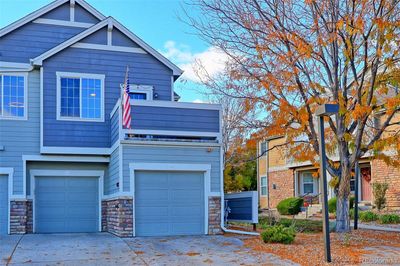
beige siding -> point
(276, 156)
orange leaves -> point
(361, 111)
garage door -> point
(66, 204)
(169, 203)
(3, 204)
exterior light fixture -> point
(321, 111)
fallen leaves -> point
(346, 249)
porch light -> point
(321, 111)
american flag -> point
(126, 111)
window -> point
(263, 148)
(308, 183)
(13, 96)
(263, 186)
(80, 97)
(141, 92)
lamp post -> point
(357, 176)
(324, 110)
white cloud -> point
(212, 60)
(198, 101)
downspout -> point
(223, 202)
(267, 170)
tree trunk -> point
(343, 204)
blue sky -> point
(156, 22)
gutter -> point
(223, 203)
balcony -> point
(168, 121)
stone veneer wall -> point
(21, 217)
(214, 216)
(117, 216)
(381, 172)
(284, 182)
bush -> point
(333, 201)
(379, 191)
(368, 216)
(389, 219)
(278, 234)
(299, 225)
(290, 206)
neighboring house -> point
(66, 162)
(279, 177)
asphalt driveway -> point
(106, 249)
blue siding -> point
(181, 119)
(60, 13)
(81, 15)
(21, 137)
(144, 69)
(99, 37)
(119, 39)
(114, 128)
(190, 155)
(110, 183)
(33, 39)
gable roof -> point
(36, 14)
(110, 22)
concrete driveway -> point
(106, 249)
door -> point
(66, 204)
(169, 203)
(3, 204)
(366, 187)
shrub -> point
(389, 219)
(368, 216)
(278, 234)
(290, 206)
(333, 201)
(379, 191)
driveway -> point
(106, 249)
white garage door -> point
(169, 203)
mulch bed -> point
(347, 249)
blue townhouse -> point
(66, 162)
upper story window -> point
(141, 92)
(13, 96)
(80, 97)
(263, 148)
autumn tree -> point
(287, 57)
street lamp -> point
(324, 110)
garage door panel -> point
(174, 208)
(73, 207)
(3, 204)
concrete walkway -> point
(375, 227)
(106, 249)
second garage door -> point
(66, 204)
(3, 204)
(169, 203)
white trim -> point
(170, 143)
(41, 108)
(53, 158)
(26, 96)
(202, 106)
(75, 150)
(5, 64)
(46, 9)
(116, 106)
(66, 23)
(107, 47)
(148, 90)
(109, 33)
(39, 59)
(57, 173)
(170, 133)
(10, 176)
(81, 76)
(172, 90)
(72, 10)
(314, 182)
(206, 168)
